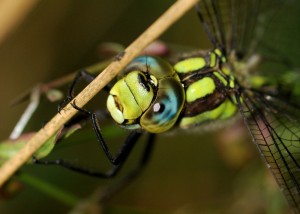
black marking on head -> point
(143, 82)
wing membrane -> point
(236, 24)
(275, 129)
(272, 117)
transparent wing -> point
(237, 24)
(267, 28)
(275, 128)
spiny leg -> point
(82, 74)
(122, 154)
(82, 119)
(88, 77)
(121, 157)
(117, 161)
(125, 149)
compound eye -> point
(155, 66)
(166, 108)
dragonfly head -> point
(148, 95)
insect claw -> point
(59, 109)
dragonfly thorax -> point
(208, 85)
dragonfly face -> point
(148, 96)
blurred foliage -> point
(217, 173)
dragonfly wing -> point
(232, 24)
(275, 129)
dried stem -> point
(153, 32)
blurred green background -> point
(189, 173)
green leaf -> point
(9, 148)
(46, 148)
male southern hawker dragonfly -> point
(202, 87)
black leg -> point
(121, 157)
(82, 74)
(115, 188)
(86, 76)
(82, 119)
(124, 151)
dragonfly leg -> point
(144, 159)
(81, 75)
(121, 157)
(127, 146)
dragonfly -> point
(153, 96)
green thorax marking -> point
(208, 85)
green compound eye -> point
(165, 110)
(152, 65)
(149, 95)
